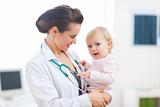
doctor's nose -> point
(74, 41)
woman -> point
(52, 73)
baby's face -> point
(98, 46)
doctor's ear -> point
(54, 29)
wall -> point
(138, 65)
(20, 39)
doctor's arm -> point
(46, 95)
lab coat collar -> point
(47, 52)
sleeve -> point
(44, 91)
(107, 75)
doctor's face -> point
(65, 39)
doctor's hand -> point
(97, 98)
(84, 74)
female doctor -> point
(52, 73)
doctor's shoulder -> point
(36, 63)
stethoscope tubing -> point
(65, 74)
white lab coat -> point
(49, 86)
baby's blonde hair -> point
(101, 30)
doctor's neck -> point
(53, 46)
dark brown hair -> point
(60, 16)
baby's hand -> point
(85, 64)
(84, 74)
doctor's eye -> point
(73, 36)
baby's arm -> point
(107, 74)
(85, 74)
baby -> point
(100, 73)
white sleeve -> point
(106, 77)
(102, 78)
(45, 93)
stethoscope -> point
(63, 67)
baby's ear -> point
(109, 44)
